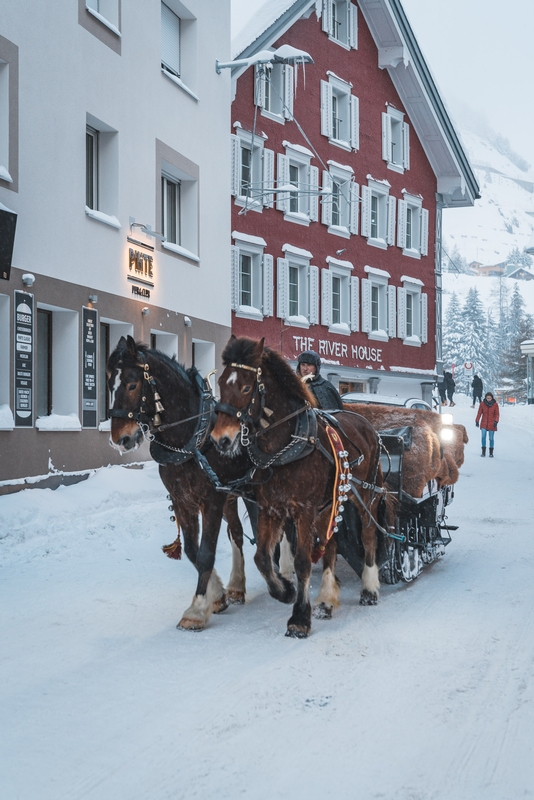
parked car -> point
(385, 400)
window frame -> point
(283, 91)
(9, 115)
(336, 89)
(417, 333)
(349, 297)
(377, 283)
(256, 198)
(381, 232)
(63, 365)
(298, 157)
(298, 260)
(346, 20)
(103, 22)
(171, 229)
(395, 140)
(412, 206)
(261, 277)
(179, 169)
(106, 164)
(341, 176)
(91, 168)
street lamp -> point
(286, 54)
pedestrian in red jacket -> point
(487, 418)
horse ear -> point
(259, 347)
(130, 345)
(121, 344)
(232, 338)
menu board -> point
(89, 368)
(24, 345)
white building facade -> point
(113, 125)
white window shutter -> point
(313, 287)
(259, 85)
(424, 318)
(326, 109)
(326, 217)
(354, 303)
(386, 136)
(424, 232)
(354, 122)
(268, 177)
(353, 26)
(366, 211)
(327, 15)
(282, 306)
(406, 145)
(313, 182)
(170, 39)
(288, 91)
(354, 207)
(234, 140)
(282, 169)
(392, 214)
(268, 278)
(392, 311)
(234, 251)
(366, 305)
(326, 297)
(401, 224)
(401, 313)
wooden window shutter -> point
(326, 297)
(268, 287)
(268, 177)
(401, 224)
(282, 168)
(326, 217)
(313, 287)
(282, 306)
(354, 303)
(288, 91)
(406, 145)
(326, 109)
(259, 85)
(354, 122)
(354, 207)
(235, 276)
(366, 211)
(353, 26)
(386, 136)
(392, 311)
(327, 16)
(314, 196)
(392, 214)
(234, 140)
(424, 318)
(401, 313)
(366, 305)
(424, 232)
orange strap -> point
(340, 490)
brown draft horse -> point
(145, 383)
(262, 401)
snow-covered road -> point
(427, 696)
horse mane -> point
(244, 351)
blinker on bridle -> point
(139, 414)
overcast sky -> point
(481, 53)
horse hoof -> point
(297, 632)
(220, 605)
(191, 624)
(322, 611)
(368, 598)
(235, 597)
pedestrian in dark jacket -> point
(450, 386)
(487, 419)
(477, 387)
(441, 390)
(309, 368)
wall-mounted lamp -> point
(28, 279)
(187, 322)
(93, 298)
(286, 54)
(147, 230)
(145, 311)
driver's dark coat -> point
(325, 393)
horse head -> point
(131, 404)
(240, 386)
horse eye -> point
(132, 386)
(246, 389)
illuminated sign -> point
(331, 349)
(89, 367)
(24, 344)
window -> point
(412, 312)
(252, 277)
(43, 406)
(57, 356)
(252, 171)
(107, 11)
(378, 214)
(103, 355)
(294, 168)
(102, 19)
(378, 305)
(298, 288)
(177, 202)
(178, 45)
(273, 90)
(340, 22)
(395, 140)
(351, 386)
(170, 40)
(101, 172)
(339, 297)
(340, 113)
(9, 134)
(340, 205)
(412, 226)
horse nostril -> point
(124, 441)
(224, 443)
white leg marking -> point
(329, 591)
(201, 609)
(232, 377)
(370, 580)
(287, 562)
(237, 577)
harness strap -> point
(339, 492)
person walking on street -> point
(450, 386)
(441, 390)
(309, 368)
(477, 390)
(487, 418)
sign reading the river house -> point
(24, 341)
(89, 395)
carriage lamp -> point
(447, 432)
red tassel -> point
(174, 550)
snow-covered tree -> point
(452, 333)
(517, 259)
(474, 345)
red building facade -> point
(336, 198)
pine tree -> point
(452, 333)
(474, 346)
(517, 259)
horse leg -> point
(268, 533)
(328, 597)
(210, 596)
(287, 550)
(299, 624)
(236, 586)
(370, 580)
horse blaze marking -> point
(115, 387)
(232, 378)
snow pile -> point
(6, 418)
(58, 422)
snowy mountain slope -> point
(504, 216)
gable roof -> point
(400, 55)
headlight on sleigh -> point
(447, 432)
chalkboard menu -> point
(24, 345)
(89, 368)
